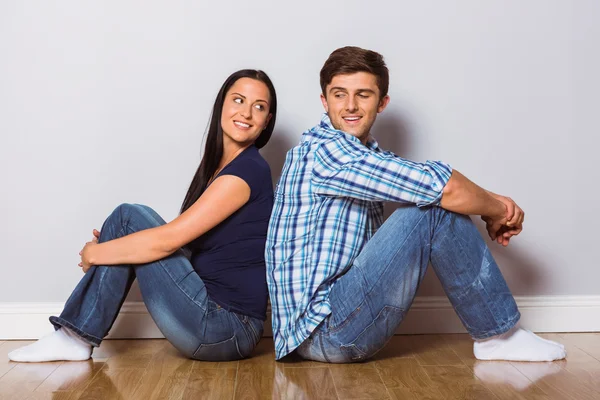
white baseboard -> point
(427, 315)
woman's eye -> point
(238, 100)
(259, 107)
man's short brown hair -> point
(351, 59)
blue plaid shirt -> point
(328, 204)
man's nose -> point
(351, 104)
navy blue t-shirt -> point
(230, 257)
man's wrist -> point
(498, 209)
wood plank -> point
(8, 346)
(107, 349)
(166, 376)
(588, 342)
(255, 375)
(355, 381)
(135, 353)
(458, 382)
(579, 362)
(303, 383)
(399, 346)
(71, 376)
(112, 383)
(432, 350)
(462, 345)
(556, 381)
(507, 382)
(216, 364)
(211, 383)
(57, 395)
(406, 379)
(145, 369)
(24, 378)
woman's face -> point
(245, 111)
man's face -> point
(353, 102)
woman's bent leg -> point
(177, 300)
(94, 305)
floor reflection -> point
(502, 372)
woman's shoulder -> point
(252, 158)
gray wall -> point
(106, 102)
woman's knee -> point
(145, 216)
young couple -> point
(340, 279)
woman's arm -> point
(224, 196)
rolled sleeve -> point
(348, 169)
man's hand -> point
(502, 229)
(84, 253)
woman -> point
(213, 305)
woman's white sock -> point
(518, 344)
(60, 345)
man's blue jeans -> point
(173, 292)
(371, 299)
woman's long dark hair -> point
(213, 150)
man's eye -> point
(363, 96)
(339, 95)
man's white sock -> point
(60, 345)
(518, 344)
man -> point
(340, 279)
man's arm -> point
(346, 169)
(462, 196)
(504, 218)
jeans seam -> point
(478, 278)
(320, 339)
(100, 286)
(178, 286)
(396, 253)
(357, 265)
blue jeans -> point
(371, 299)
(173, 292)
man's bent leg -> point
(470, 276)
(371, 299)
(467, 271)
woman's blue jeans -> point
(371, 299)
(173, 292)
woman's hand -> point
(85, 263)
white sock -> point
(518, 345)
(60, 345)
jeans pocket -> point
(352, 353)
(227, 350)
(375, 336)
(252, 333)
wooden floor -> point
(410, 367)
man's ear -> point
(383, 103)
(324, 101)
